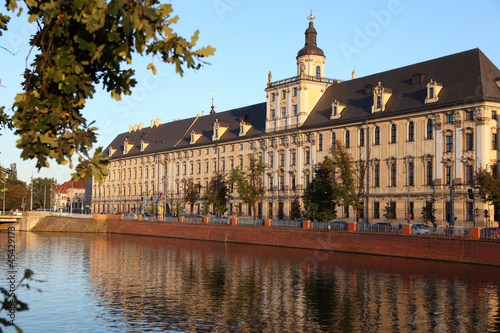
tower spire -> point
(311, 16)
(212, 111)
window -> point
(199, 167)
(362, 137)
(308, 157)
(393, 209)
(347, 139)
(223, 165)
(346, 211)
(410, 210)
(430, 129)
(320, 142)
(282, 183)
(273, 114)
(376, 210)
(295, 111)
(377, 135)
(241, 146)
(493, 115)
(334, 139)
(377, 175)
(318, 71)
(429, 173)
(447, 172)
(232, 147)
(283, 94)
(493, 141)
(431, 92)
(449, 143)
(469, 211)
(394, 133)
(411, 181)
(379, 102)
(271, 181)
(411, 131)
(282, 160)
(283, 112)
(449, 118)
(273, 97)
(295, 92)
(469, 141)
(468, 115)
(469, 175)
(393, 174)
(271, 161)
(293, 182)
(241, 163)
(206, 166)
(294, 158)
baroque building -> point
(422, 131)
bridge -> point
(10, 218)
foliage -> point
(178, 210)
(429, 211)
(249, 184)
(216, 193)
(295, 209)
(319, 195)
(489, 185)
(191, 192)
(78, 45)
(10, 300)
(42, 191)
(150, 207)
(389, 213)
(15, 195)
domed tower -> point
(310, 59)
(290, 101)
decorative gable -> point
(111, 151)
(219, 129)
(337, 109)
(244, 127)
(194, 137)
(127, 145)
(433, 89)
(144, 145)
(380, 97)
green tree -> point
(429, 211)
(295, 209)
(216, 193)
(489, 185)
(319, 195)
(78, 45)
(249, 184)
(42, 192)
(389, 212)
(191, 193)
(15, 195)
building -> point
(423, 130)
(69, 197)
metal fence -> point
(287, 223)
(257, 222)
(74, 215)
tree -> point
(78, 45)
(389, 212)
(42, 192)
(319, 195)
(249, 184)
(429, 211)
(295, 209)
(15, 195)
(191, 192)
(216, 193)
(489, 185)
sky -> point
(252, 38)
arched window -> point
(318, 71)
(393, 174)
(347, 139)
(429, 173)
(394, 133)
(320, 142)
(334, 139)
(362, 137)
(411, 177)
(377, 135)
(411, 131)
(379, 102)
(377, 175)
(430, 129)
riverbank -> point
(452, 249)
(65, 224)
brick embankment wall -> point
(407, 246)
(68, 224)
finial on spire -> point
(311, 16)
(212, 111)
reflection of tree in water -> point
(214, 279)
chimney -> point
(141, 126)
(130, 128)
(152, 123)
(158, 122)
(202, 113)
(136, 127)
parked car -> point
(419, 229)
(491, 232)
(382, 226)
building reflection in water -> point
(190, 285)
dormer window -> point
(380, 97)
(337, 109)
(433, 89)
(127, 145)
(219, 129)
(144, 145)
(244, 127)
(194, 137)
(111, 151)
(368, 89)
(417, 78)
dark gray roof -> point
(466, 77)
(177, 134)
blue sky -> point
(255, 37)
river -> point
(123, 283)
